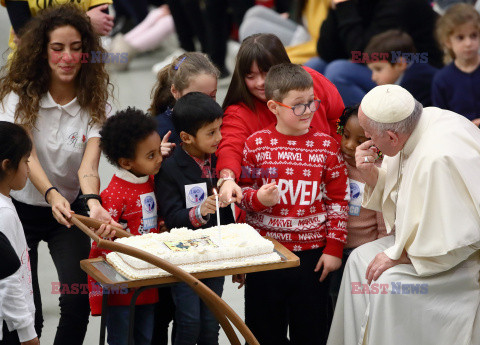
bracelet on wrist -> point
(221, 180)
(86, 197)
(48, 191)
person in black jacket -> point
(349, 27)
(184, 190)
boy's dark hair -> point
(388, 41)
(285, 77)
(122, 132)
(14, 145)
(347, 113)
(193, 111)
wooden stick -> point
(222, 311)
(93, 223)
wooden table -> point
(109, 278)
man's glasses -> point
(300, 109)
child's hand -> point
(329, 263)
(209, 206)
(268, 194)
(105, 231)
(239, 278)
(162, 227)
(166, 146)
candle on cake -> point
(218, 215)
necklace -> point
(400, 168)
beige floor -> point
(132, 88)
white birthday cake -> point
(215, 248)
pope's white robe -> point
(437, 221)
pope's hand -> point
(381, 263)
(365, 157)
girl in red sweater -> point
(246, 110)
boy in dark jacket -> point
(184, 188)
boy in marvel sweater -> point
(295, 190)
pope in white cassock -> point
(419, 286)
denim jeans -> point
(67, 248)
(353, 80)
(117, 324)
(195, 323)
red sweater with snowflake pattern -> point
(239, 121)
(311, 178)
(130, 200)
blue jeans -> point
(353, 80)
(195, 323)
(117, 324)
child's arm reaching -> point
(255, 199)
(268, 194)
(172, 206)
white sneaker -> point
(168, 60)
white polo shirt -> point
(60, 138)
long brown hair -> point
(455, 16)
(29, 76)
(266, 50)
(179, 73)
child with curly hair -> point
(363, 225)
(131, 143)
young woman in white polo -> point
(53, 90)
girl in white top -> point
(56, 87)
(16, 293)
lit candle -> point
(218, 214)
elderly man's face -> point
(383, 141)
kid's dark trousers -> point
(290, 299)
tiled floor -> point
(132, 88)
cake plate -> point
(110, 279)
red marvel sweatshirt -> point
(239, 122)
(311, 178)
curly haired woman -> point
(52, 87)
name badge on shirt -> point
(195, 194)
(356, 196)
(149, 211)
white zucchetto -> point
(388, 104)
